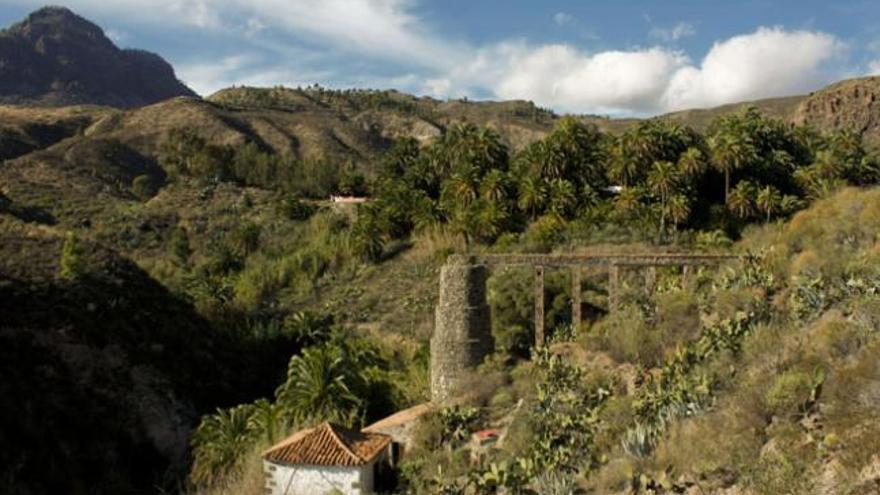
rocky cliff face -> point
(848, 105)
(57, 58)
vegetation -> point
(323, 312)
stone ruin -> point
(463, 332)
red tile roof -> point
(328, 445)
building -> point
(325, 459)
(348, 200)
(400, 426)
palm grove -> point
(657, 177)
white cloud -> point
(562, 18)
(378, 28)
(675, 33)
(874, 68)
(769, 62)
(560, 76)
(766, 63)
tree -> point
(490, 220)
(628, 201)
(219, 443)
(663, 180)
(678, 208)
(532, 196)
(731, 151)
(741, 200)
(72, 264)
(493, 187)
(692, 163)
(267, 420)
(319, 386)
(561, 197)
(768, 201)
(366, 236)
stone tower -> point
(462, 332)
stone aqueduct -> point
(462, 333)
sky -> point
(609, 57)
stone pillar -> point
(539, 306)
(687, 277)
(462, 332)
(576, 316)
(650, 279)
(613, 287)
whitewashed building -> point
(325, 459)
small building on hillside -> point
(325, 459)
(348, 200)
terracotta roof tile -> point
(328, 445)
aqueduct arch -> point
(462, 331)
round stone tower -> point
(462, 332)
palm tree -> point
(790, 204)
(494, 186)
(562, 196)
(663, 180)
(741, 200)
(490, 220)
(463, 187)
(730, 152)
(768, 201)
(367, 237)
(319, 386)
(692, 162)
(219, 442)
(267, 419)
(679, 209)
(532, 195)
(629, 200)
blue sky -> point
(622, 57)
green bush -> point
(792, 393)
(72, 263)
(143, 187)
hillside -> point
(106, 371)
(57, 58)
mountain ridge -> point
(57, 58)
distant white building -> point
(326, 459)
(349, 200)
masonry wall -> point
(318, 480)
(462, 331)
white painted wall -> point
(318, 480)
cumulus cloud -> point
(675, 33)
(766, 63)
(560, 76)
(874, 68)
(769, 62)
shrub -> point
(296, 209)
(72, 264)
(793, 392)
(143, 187)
